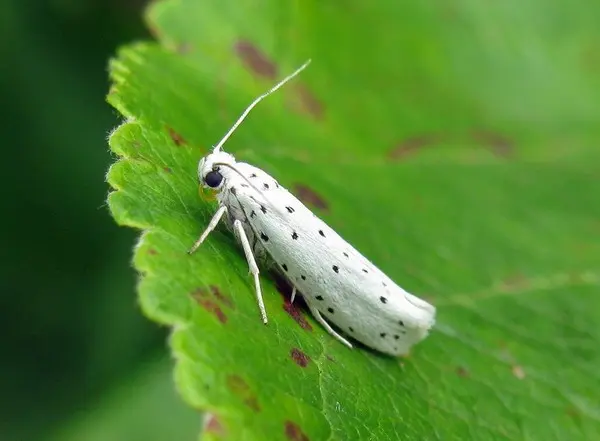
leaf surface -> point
(453, 145)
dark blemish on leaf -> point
(263, 209)
(253, 213)
(213, 425)
(411, 145)
(289, 209)
(330, 310)
(336, 268)
(299, 357)
(518, 372)
(462, 372)
(382, 335)
(382, 299)
(284, 266)
(296, 314)
(168, 169)
(238, 386)
(293, 432)
(295, 235)
(515, 281)
(220, 296)
(309, 102)
(310, 197)
(152, 251)
(264, 237)
(255, 60)
(176, 137)
(202, 297)
(319, 297)
(285, 289)
(321, 233)
(497, 143)
(184, 48)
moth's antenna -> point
(255, 102)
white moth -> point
(340, 286)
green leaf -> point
(453, 144)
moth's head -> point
(212, 173)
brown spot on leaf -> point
(252, 403)
(297, 315)
(310, 197)
(309, 102)
(238, 386)
(515, 281)
(518, 372)
(285, 289)
(213, 425)
(293, 432)
(176, 137)
(499, 144)
(220, 296)
(168, 169)
(152, 251)
(299, 357)
(184, 48)
(255, 60)
(330, 358)
(411, 145)
(204, 299)
(462, 371)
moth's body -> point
(334, 278)
(339, 285)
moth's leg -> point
(211, 226)
(293, 294)
(239, 228)
(315, 312)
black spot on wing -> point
(303, 277)
(263, 209)
(295, 235)
(336, 269)
(383, 299)
(330, 310)
(321, 233)
(253, 213)
(265, 186)
(382, 335)
(290, 209)
(284, 266)
(319, 297)
(264, 237)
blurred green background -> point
(79, 361)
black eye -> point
(213, 178)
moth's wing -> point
(346, 287)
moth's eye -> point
(213, 178)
